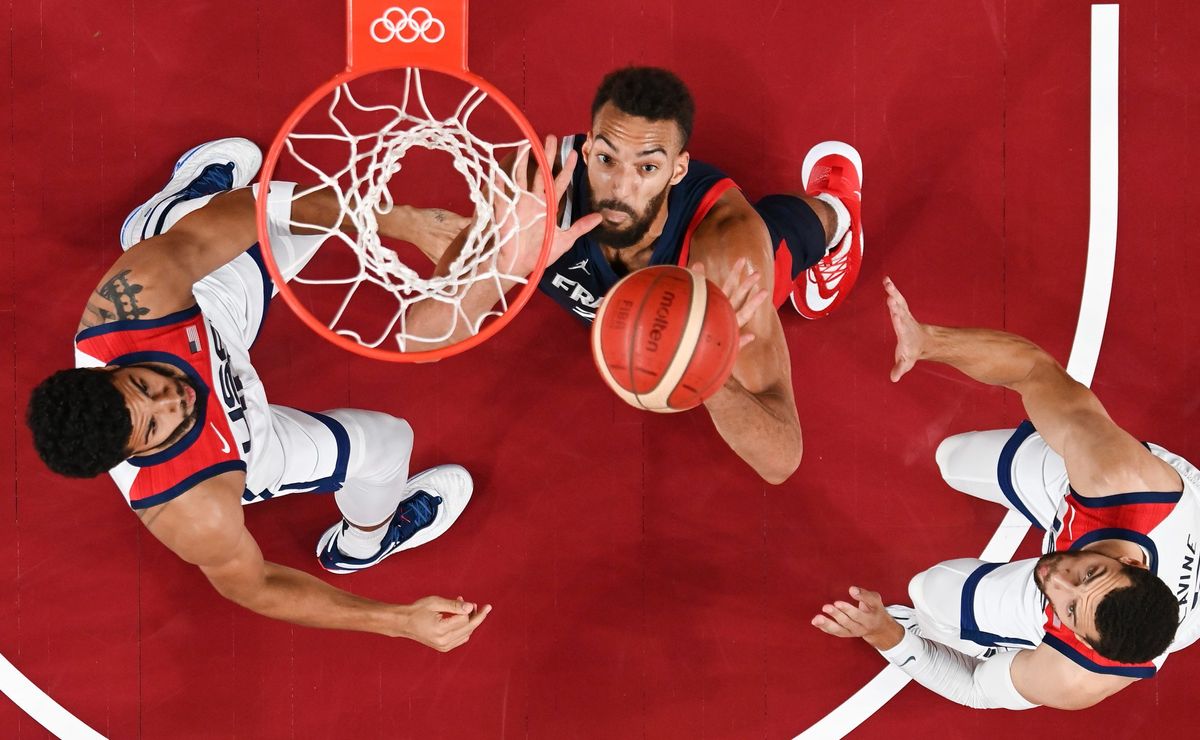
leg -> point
(363, 457)
(799, 228)
(383, 510)
(823, 275)
(1011, 467)
(377, 468)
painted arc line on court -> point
(1085, 348)
(37, 704)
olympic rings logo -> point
(397, 24)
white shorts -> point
(1011, 467)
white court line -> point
(41, 707)
(1089, 333)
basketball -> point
(665, 339)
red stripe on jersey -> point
(209, 448)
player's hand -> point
(443, 624)
(910, 334)
(866, 619)
(432, 230)
(519, 255)
(742, 288)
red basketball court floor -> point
(645, 583)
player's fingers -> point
(870, 599)
(746, 282)
(520, 173)
(831, 626)
(463, 626)
(839, 614)
(447, 606)
(733, 277)
(478, 617)
(568, 236)
(751, 304)
(744, 339)
(563, 179)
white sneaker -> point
(439, 496)
(210, 168)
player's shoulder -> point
(141, 285)
(201, 521)
(731, 229)
(1048, 677)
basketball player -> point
(1115, 591)
(658, 206)
(167, 401)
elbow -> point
(780, 467)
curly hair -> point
(1138, 622)
(79, 422)
(648, 92)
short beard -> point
(186, 425)
(1050, 559)
(622, 238)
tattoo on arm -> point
(97, 315)
(122, 295)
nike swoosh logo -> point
(812, 294)
(910, 659)
(217, 432)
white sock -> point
(359, 543)
(842, 219)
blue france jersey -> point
(581, 277)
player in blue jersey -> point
(657, 206)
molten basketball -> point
(665, 338)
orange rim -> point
(494, 325)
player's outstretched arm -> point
(206, 527)
(755, 411)
(1020, 679)
(154, 278)
(1101, 458)
(517, 256)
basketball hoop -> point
(379, 136)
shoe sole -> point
(824, 149)
(452, 506)
(191, 164)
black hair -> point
(1136, 623)
(79, 421)
(648, 92)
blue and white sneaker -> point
(210, 168)
(439, 495)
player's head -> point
(86, 421)
(1122, 610)
(636, 149)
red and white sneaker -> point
(832, 167)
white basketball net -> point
(373, 158)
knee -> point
(916, 589)
(396, 431)
(945, 454)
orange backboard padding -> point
(384, 34)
